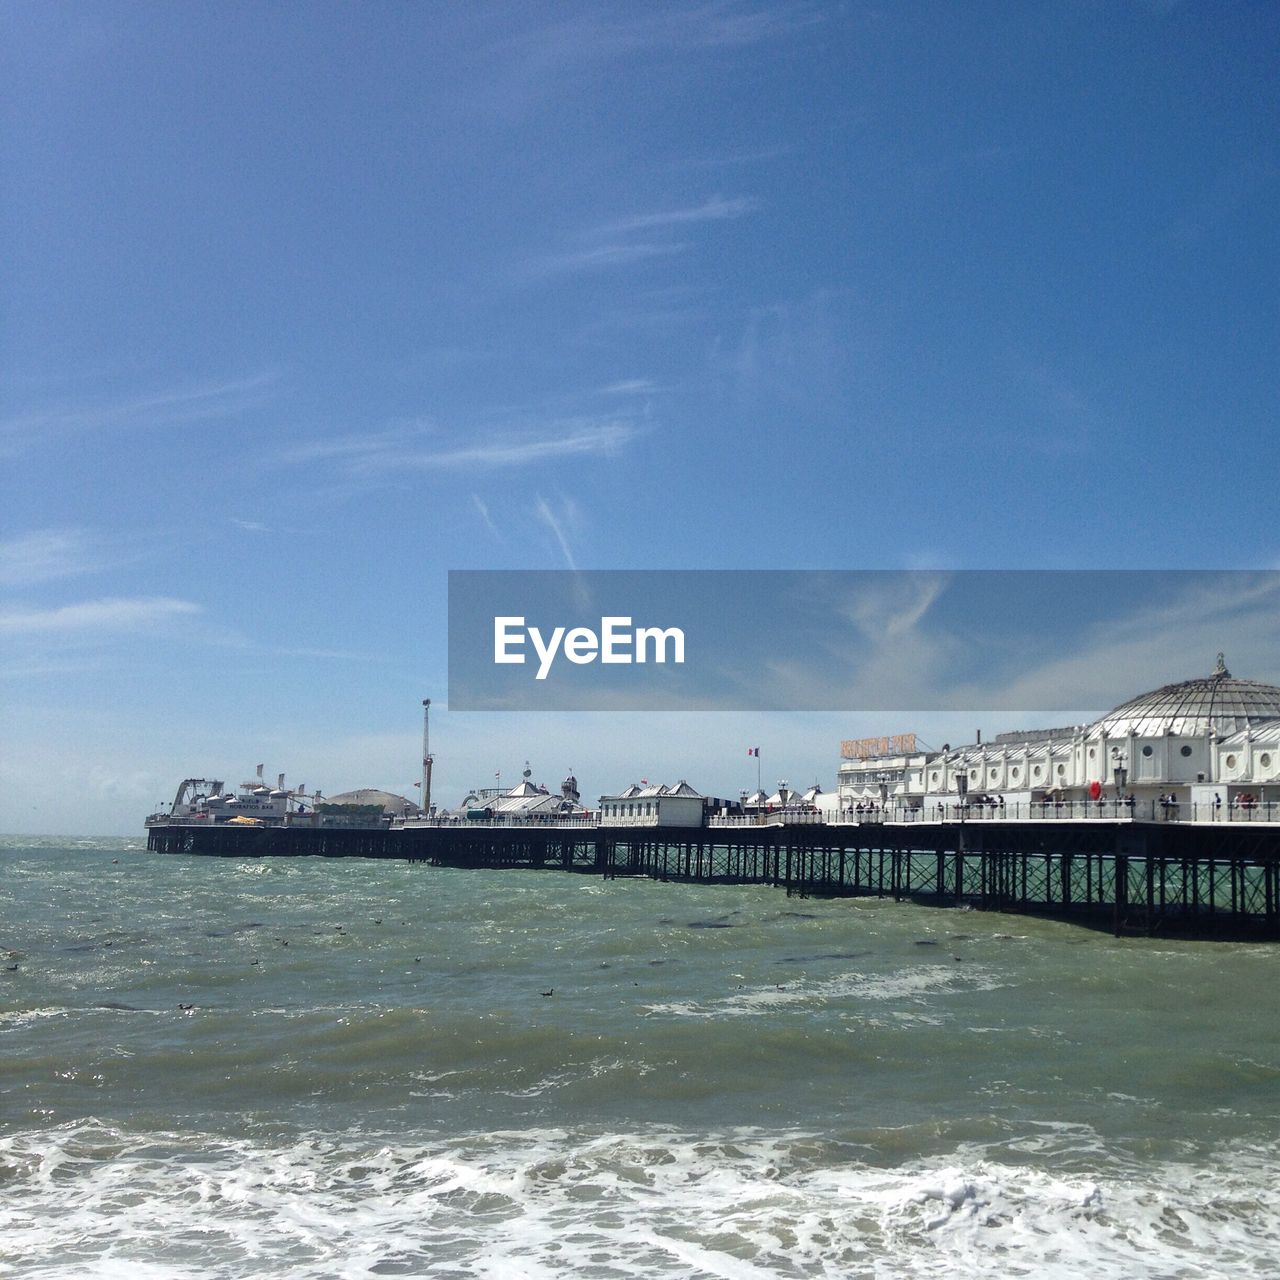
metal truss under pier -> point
(1128, 877)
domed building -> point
(1179, 734)
(1211, 732)
(1216, 704)
(392, 805)
(1211, 739)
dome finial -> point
(1221, 668)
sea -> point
(214, 1067)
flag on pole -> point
(753, 751)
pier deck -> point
(1128, 876)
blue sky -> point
(303, 306)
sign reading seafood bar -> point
(847, 640)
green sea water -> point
(332, 1067)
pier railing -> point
(1258, 811)
(1065, 811)
(1018, 811)
(1108, 863)
(458, 822)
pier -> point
(1123, 874)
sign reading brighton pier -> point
(897, 744)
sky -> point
(303, 306)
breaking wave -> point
(91, 1200)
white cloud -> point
(91, 616)
(603, 438)
(44, 555)
(356, 446)
(483, 508)
(543, 56)
(405, 450)
(604, 256)
(618, 251)
(629, 387)
(1158, 644)
(716, 209)
(556, 523)
(169, 407)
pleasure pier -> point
(1154, 819)
(1125, 874)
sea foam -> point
(92, 1200)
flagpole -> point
(758, 787)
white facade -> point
(888, 779)
(1207, 737)
(525, 800)
(654, 806)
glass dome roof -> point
(1192, 708)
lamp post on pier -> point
(1119, 772)
(962, 792)
(427, 758)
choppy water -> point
(316, 1068)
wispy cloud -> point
(1061, 419)
(559, 523)
(112, 614)
(359, 445)
(629, 387)
(790, 353)
(716, 209)
(556, 523)
(482, 507)
(1174, 639)
(602, 257)
(310, 651)
(727, 159)
(906, 646)
(417, 449)
(45, 555)
(250, 526)
(168, 407)
(619, 251)
(602, 35)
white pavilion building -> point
(1213, 738)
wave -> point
(93, 1200)
(908, 985)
